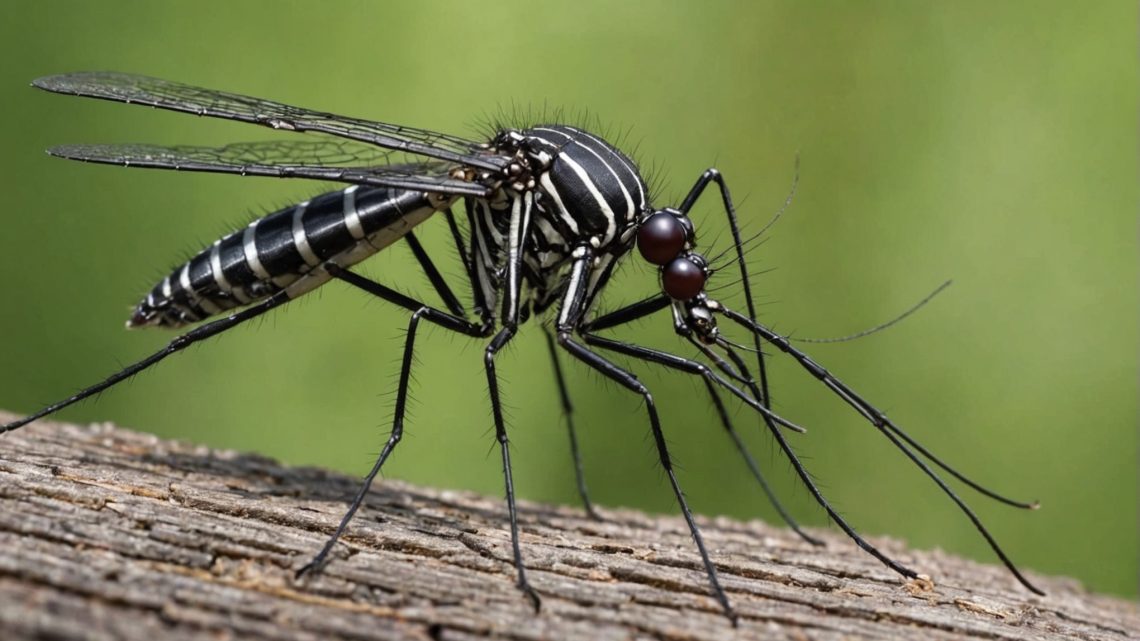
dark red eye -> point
(683, 279)
(661, 238)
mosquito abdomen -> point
(283, 251)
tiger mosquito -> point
(550, 209)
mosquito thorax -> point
(585, 187)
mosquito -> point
(550, 211)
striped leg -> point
(419, 312)
(176, 345)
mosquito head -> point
(698, 318)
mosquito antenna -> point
(878, 328)
(788, 200)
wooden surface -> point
(111, 534)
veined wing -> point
(336, 160)
(164, 94)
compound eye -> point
(683, 279)
(661, 238)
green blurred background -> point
(991, 143)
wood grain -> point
(112, 534)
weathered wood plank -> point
(111, 534)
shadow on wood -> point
(106, 533)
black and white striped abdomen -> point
(282, 252)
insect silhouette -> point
(550, 211)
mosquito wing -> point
(164, 94)
(336, 160)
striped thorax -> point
(585, 192)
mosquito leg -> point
(430, 314)
(694, 367)
(570, 318)
(895, 435)
(738, 373)
(754, 468)
(802, 472)
(568, 412)
(434, 275)
(714, 175)
(656, 303)
(438, 317)
(627, 314)
(747, 378)
(805, 477)
(629, 381)
(763, 393)
(497, 343)
(176, 345)
(437, 281)
(511, 313)
(419, 312)
(457, 238)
